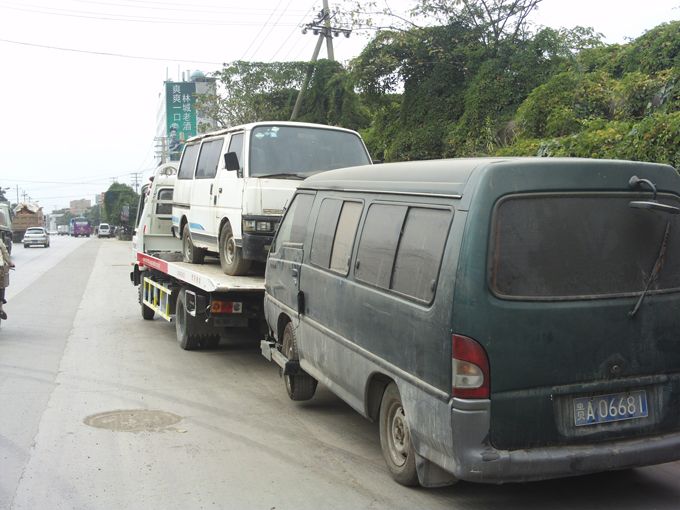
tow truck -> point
(204, 303)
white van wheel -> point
(395, 438)
(189, 252)
(300, 386)
(231, 256)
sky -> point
(80, 80)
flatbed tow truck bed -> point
(202, 301)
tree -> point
(116, 199)
(256, 91)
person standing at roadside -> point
(5, 264)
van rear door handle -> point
(294, 272)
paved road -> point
(225, 435)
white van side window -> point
(236, 145)
(209, 158)
(188, 163)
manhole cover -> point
(134, 420)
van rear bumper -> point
(476, 460)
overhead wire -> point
(311, 7)
(260, 31)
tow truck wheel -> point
(231, 256)
(185, 325)
(189, 252)
(395, 438)
(147, 313)
(300, 386)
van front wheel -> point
(231, 256)
(300, 386)
(395, 438)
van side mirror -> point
(231, 162)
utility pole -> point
(135, 178)
(321, 26)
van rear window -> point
(580, 246)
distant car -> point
(34, 236)
(52, 232)
(104, 230)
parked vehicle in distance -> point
(233, 184)
(502, 319)
(104, 230)
(62, 230)
(80, 227)
(6, 225)
(26, 215)
(36, 236)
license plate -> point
(608, 408)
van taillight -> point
(469, 369)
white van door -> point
(184, 184)
(229, 187)
(201, 216)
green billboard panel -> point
(180, 101)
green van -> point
(502, 319)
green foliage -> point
(252, 91)
(115, 199)
(330, 98)
(255, 91)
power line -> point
(70, 13)
(291, 34)
(108, 54)
(264, 25)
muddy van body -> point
(502, 319)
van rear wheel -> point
(395, 438)
(189, 252)
(300, 386)
(231, 256)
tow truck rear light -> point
(217, 307)
(469, 369)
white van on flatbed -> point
(233, 185)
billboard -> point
(180, 103)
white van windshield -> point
(291, 151)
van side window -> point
(208, 159)
(236, 145)
(344, 236)
(324, 232)
(420, 252)
(294, 224)
(378, 244)
(188, 163)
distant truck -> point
(62, 230)
(6, 225)
(26, 215)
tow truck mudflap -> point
(269, 351)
